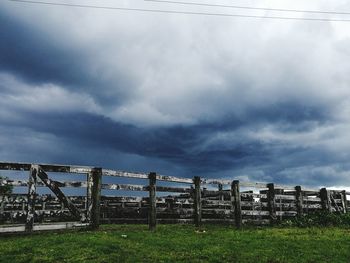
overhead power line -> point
(250, 7)
(178, 12)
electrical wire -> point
(250, 7)
(178, 12)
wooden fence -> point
(169, 200)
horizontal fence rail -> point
(166, 199)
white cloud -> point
(17, 95)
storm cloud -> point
(257, 99)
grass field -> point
(181, 243)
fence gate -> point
(33, 212)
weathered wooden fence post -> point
(221, 195)
(299, 200)
(2, 206)
(344, 201)
(325, 200)
(88, 196)
(197, 201)
(236, 203)
(271, 204)
(152, 216)
(96, 179)
(90, 183)
(31, 198)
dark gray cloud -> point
(31, 55)
(37, 58)
(263, 102)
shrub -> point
(5, 189)
(319, 218)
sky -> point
(185, 95)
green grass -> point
(181, 243)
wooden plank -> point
(167, 178)
(312, 206)
(152, 216)
(12, 229)
(209, 193)
(71, 184)
(216, 182)
(60, 195)
(22, 183)
(18, 198)
(59, 226)
(181, 202)
(107, 172)
(299, 200)
(271, 202)
(46, 167)
(74, 184)
(50, 211)
(229, 207)
(15, 166)
(197, 201)
(42, 227)
(31, 198)
(174, 179)
(252, 184)
(125, 187)
(17, 183)
(286, 213)
(253, 203)
(57, 168)
(264, 196)
(312, 199)
(255, 213)
(216, 211)
(216, 202)
(236, 203)
(284, 197)
(79, 169)
(130, 187)
(265, 205)
(122, 198)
